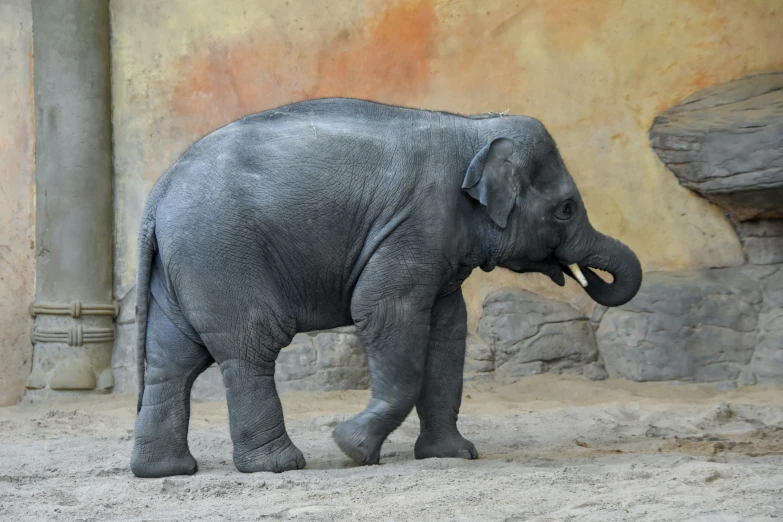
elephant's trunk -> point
(612, 256)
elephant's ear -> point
(490, 179)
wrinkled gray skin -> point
(333, 212)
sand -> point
(552, 448)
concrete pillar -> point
(74, 310)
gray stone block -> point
(73, 374)
(482, 377)
(521, 369)
(322, 361)
(530, 334)
(347, 378)
(595, 371)
(690, 326)
(773, 289)
(479, 357)
(596, 316)
(295, 362)
(767, 362)
(339, 350)
(746, 377)
(628, 353)
(762, 240)
(726, 144)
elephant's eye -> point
(566, 210)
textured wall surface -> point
(17, 213)
(596, 73)
(725, 143)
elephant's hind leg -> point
(258, 431)
(161, 437)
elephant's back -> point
(322, 142)
(259, 189)
(314, 175)
(316, 160)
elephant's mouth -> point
(583, 273)
(557, 270)
(550, 267)
(614, 258)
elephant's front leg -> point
(441, 393)
(394, 332)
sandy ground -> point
(552, 448)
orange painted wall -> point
(17, 197)
(596, 73)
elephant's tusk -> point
(578, 274)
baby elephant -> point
(333, 212)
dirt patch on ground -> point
(552, 448)
(757, 443)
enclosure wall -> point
(17, 197)
(596, 73)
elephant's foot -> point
(160, 447)
(356, 440)
(148, 463)
(440, 446)
(277, 456)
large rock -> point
(767, 362)
(479, 360)
(694, 326)
(762, 240)
(772, 284)
(530, 334)
(726, 144)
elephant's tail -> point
(146, 253)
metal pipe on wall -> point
(74, 309)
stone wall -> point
(719, 325)
(723, 326)
(521, 334)
(17, 197)
(596, 73)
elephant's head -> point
(538, 220)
